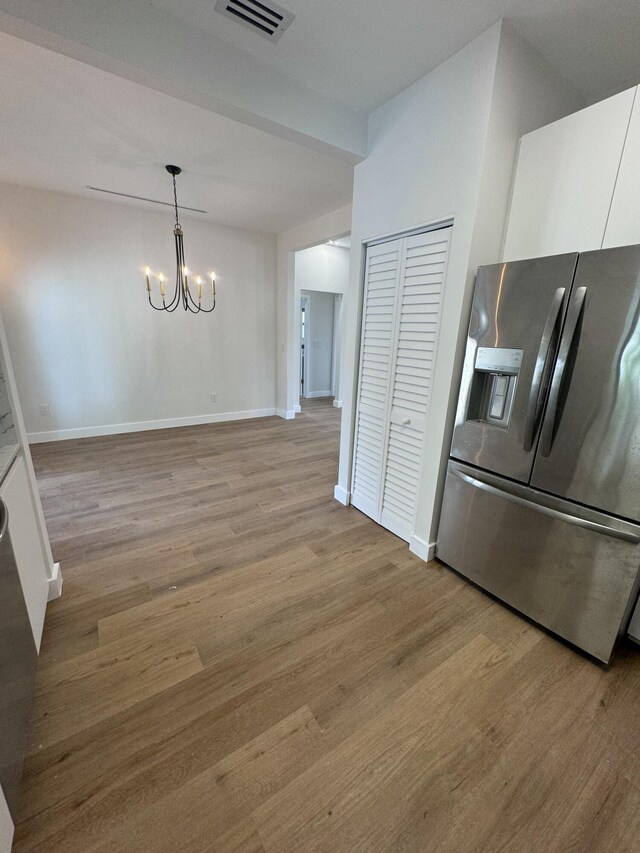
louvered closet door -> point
(382, 278)
(418, 315)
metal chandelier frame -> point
(182, 293)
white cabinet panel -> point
(623, 227)
(565, 178)
(23, 527)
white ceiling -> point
(362, 52)
(66, 125)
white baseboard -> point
(297, 408)
(140, 426)
(55, 583)
(342, 495)
(422, 549)
(337, 404)
(312, 394)
(287, 415)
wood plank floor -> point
(239, 663)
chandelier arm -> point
(198, 305)
(174, 299)
(174, 302)
(180, 266)
(208, 310)
(156, 307)
(192, 300)
(181, 277)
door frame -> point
(304, 378)
(335, 345)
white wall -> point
(84, 340)
(323, 268)
(437, 152)
(527, 94)
(334, 224)
(425, 157)
(319, 349)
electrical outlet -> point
(214, 398)
(45, 410)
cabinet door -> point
(376, 359)
(564, 182)
(418, 314)
(623, 226)
(32, 568)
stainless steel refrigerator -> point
(542, 497)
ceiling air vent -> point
(267, 19)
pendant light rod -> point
(173, 171)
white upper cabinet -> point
(565, 179)
(623, 227)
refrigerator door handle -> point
(625, 531)
(566, 345)
(537, 392)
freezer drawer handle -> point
(566, 345)
(543, 361)
(616, 533)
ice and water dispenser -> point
(493, 385)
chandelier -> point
(182, 294)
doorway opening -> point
(321, 278)
(319, 344)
